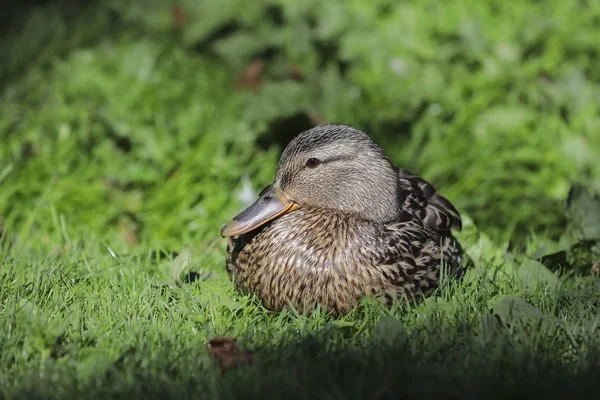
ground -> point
(131, 134)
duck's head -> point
(332, 166)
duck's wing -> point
(421, 200)
(411, 257)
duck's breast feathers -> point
(422, 201)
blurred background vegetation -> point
(137, 122)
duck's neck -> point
(375, 201)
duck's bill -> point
(272, 203)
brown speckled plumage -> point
(333, 255)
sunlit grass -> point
(89, 324)
(118, 151)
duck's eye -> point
(312, 162)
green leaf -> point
(580, 257)
(532, 273)
(219, 298)
(488, 325)
(389, 330)
(477, 244)
(510, 309)
(583, 213)
(277, 100)
(180, 263)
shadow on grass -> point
(465, 363)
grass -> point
(127, 138)
(86, 324)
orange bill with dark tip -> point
(271, 204)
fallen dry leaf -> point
(295, 73)
(225, 351)
(251, 78)
(179, 17)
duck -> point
(339, 223)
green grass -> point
(85, 324)
(124, 138)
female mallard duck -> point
(338, 223)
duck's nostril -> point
(266, 199)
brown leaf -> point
(179, 17)
(128, 230)
(596, 268)
(296, 73)
(251, 78)
(225, 351)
